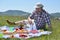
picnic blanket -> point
(11, 33)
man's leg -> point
(41, 27)
(38, 28)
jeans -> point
(41, 27)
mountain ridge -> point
(22, 13)
(14, 13)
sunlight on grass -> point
(55, 25)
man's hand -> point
(50, 28)
(29, 20)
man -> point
(41, 17)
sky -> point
(50, 6)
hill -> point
(15, 13)
(57, 14)
(22, 13)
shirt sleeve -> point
(47, 19)
(32, 16)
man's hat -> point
(39, 5)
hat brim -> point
(38, 6)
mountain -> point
(15, 13)
(57, 14)
(22, 13)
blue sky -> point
(50, 6)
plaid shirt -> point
(41, 18)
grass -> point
(11, 18)
(55, 25)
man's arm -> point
(48, 21)
(31, 17)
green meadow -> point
(55, 28)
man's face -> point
(38, 9)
